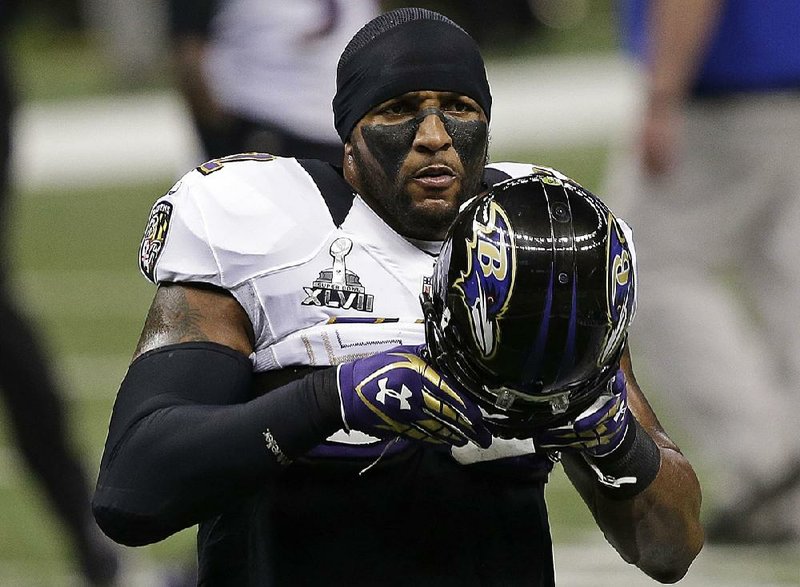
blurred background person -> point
(133, 35)
(500, 25)
(258, 75)
(28, 385)
(711, 186)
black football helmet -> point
(531, 299)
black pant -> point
(244, 136)
(418, 520)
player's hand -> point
(398, 392)
(663, 122)
(596, 431)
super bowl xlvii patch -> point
(153, 240)
(337, 286)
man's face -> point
(417, 157)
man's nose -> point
(432, 134)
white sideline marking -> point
(591, 562)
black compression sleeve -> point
(185, 438)
(631, 468)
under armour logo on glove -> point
(398, 393)
(401, 396)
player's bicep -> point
(185, 312)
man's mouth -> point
(435, 176)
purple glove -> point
(596, 431)
(397, 393)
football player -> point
(284, 394)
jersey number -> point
(210, 167)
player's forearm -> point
(666, 521)
(658, 530)
(657, 527)
(180, 450)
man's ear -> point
(349, 163)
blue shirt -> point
(755, 48)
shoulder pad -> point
(232, 218)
